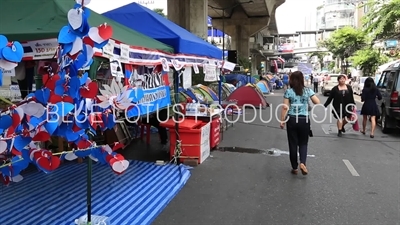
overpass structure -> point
(240, 19)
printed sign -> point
(44, 49)
(210, 73)
(155, 94)
(9, 73)
(108, 49)
(124, 55)
(205, 142)
(187, 77)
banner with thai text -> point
(156, 94)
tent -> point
(263, 86)
(189, 93)
(226, 91)
(150, 23)
(247, 95)
(206, 97)
(42, 19)
(239, 79)
(213, 95)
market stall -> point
(195, 53)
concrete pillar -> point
(240, 42)
(255, 64)
(241, 27)
(189, 14)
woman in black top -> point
(343, 103)
(369, 108)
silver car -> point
(359, 85)
(330, 81)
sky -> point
(288, 16)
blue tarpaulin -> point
(145, 21)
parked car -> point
(389, 86)
(359, 85)
(329, 82)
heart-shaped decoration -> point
(41, 136)
(75, 18)
(88, 41)
(50, 81)
(76, 46)
(66, 36)
(13, 52)
(105, 31)
(117, 146)
(17, 178)
(70, 156)
(94, 35)
(85, 2)
(84, 144)
(119, 166)
(91, 90)
(3, 146)
(49, 163)
(95, 120)
(33, 109)
(16, 119)
(55, 99)
(3, 41)
(7, 65)
(89, 52)
(5, 121)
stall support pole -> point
(223, 59)
(89, 191)
(176, 106)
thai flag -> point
(128, 73)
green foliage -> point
(160, 12)
(245, 62)
(344, 42)
(368, 60)
(319, 55)
(331, 66)
(382, 21)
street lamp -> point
(223, 41)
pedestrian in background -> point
(316, 83)
(369, 108)
(343, 103)
(296, 113)
(285, 81)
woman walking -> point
(295, 115)
(369, 108)
(343, 103)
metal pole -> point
(177, 105)
(223, 58)
(89, 191)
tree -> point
(368, 60)
(383, 19)
(320, 56)
(160, 12)
(344, 42)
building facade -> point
(333, 14)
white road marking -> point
(351, 168)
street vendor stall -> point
(195, 53)
(38, 32)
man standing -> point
(285, 81)
(316, 81)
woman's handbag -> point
(354, 120)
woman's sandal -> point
(295, 171)
(363, 132)
(371, 136)
(303, 169)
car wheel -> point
(384, 121)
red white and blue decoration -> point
(66, 106)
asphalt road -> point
(352, 180)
